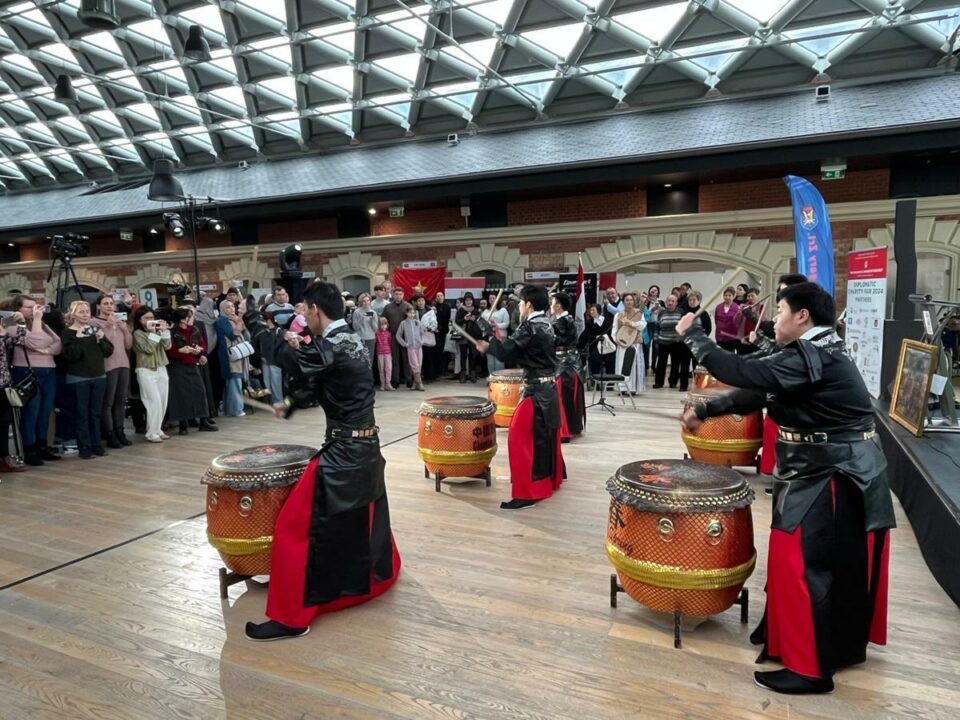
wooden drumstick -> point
(266, 407)
(496, 301)
(718, 293)
(463, 332)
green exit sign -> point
(396, 212)
(126, 235)
(833, 174)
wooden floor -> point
(495, 615)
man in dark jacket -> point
(396, 312)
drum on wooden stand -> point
(457, 437)
(730, 440)
(245, 491)
(504, 388)
(680, 535)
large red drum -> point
(457, 437)
(730, 440)
(504, 388)
(680, 535)
(702, 379)
(245, 491)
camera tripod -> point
(64, 274)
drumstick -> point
(496, 301)
(718, 293)
(266, 407)
(463, 332)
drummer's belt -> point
(540, 380)
(796, 436)
(351, 433)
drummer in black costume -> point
(573, 413)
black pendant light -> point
(164, 187)
(65, 93)
(196, 47)
(99, 14)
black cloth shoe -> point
(112, 441)
(517, 504)
(207, 426)
(183, 427)
(48, 454)
(272, 630)
(98, 451)
(657, 387)
(192, 423)
(85, 453)
(789, 683)
(31, 456)
(122, 439)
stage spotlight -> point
(291, 262)
(174, 224)
(215, 225)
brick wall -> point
(771, 192)
(607, 206)
(418, 221)
(297, 230)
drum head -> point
(457, 406)
(260, 466)
(513, 375)
(679, 486)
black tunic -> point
(335, 371)
(569, 366)
(809, 386)
(532, 348)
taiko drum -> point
(680, 534)
(457, 436)
(245, 491)
(504, 388)
(702, 379)
(730, 440)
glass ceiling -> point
(295, 76)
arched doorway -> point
(494, 280)
(356, 284)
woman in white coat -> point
(627, 331)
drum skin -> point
(702, 379)
(730, 440)
(503, 390)
(245, 491)
(457, 436)
(682, 543)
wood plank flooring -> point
(495, 615)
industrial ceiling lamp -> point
(291, 261)
(164, 187)
(196, 47)
(99, 14)
(65, 93)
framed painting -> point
(911, 387)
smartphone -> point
(121, 316)
(6, 313)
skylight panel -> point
(653, 23)
(230, 94)
(482, 50)
(760, 10)
(495, 11)
(616, 71)
(946, 26)
(152, 31)
(208, 17)
(225, 62)
(341, 35)
(277, 48)
(104, 41)
(124, 77)
(813, 38)
(558, 40)
(38, 128)
(60, 52)
(535, 83)
(71, 122)
(397, 103)
(405, 22)
(144, 110)
(272, 8)
(106, 117)
(713, 55)
(403, 65)
(21, 61)
(460, 93)
(285, 86)
(340, 75)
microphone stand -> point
(602, 402)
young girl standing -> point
(384, 356)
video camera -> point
(70, 245)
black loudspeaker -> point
(904, 323)
(295, 286)
(154, 242)
(244, 233)
(353, 222)
(679, 200)
(488, 210)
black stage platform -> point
(924, 473)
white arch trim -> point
(14, 281)
(246, 269)
(762, 258)
(504, 259)
(355, 262)
(151, 275)
(85, 276)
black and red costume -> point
(829, 542)
(332, 545)
(536, 462)
(573, 406)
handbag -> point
(23, 392)
(429, 339)
(240, 350)
(606, 345)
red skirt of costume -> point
(288, 560)
(524, 457)
(768, 454)
(827, 586)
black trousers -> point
(6, 421)
(401, 369)
(679, 358)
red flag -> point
(419, 281)
(581, 307)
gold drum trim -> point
(241, 546)
(450, 457)
(721, 445)
(679, 578)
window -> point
(495, 279)
(356, 284)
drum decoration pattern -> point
(680, 535)
(730, 440)
(503, 390)
(457, 437)
(245, 491)
(702, 379)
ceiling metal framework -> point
(300, 76)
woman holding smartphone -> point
(117, 368)
(151, 341)
(188, 351)
(85, 350)
(365, 323)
